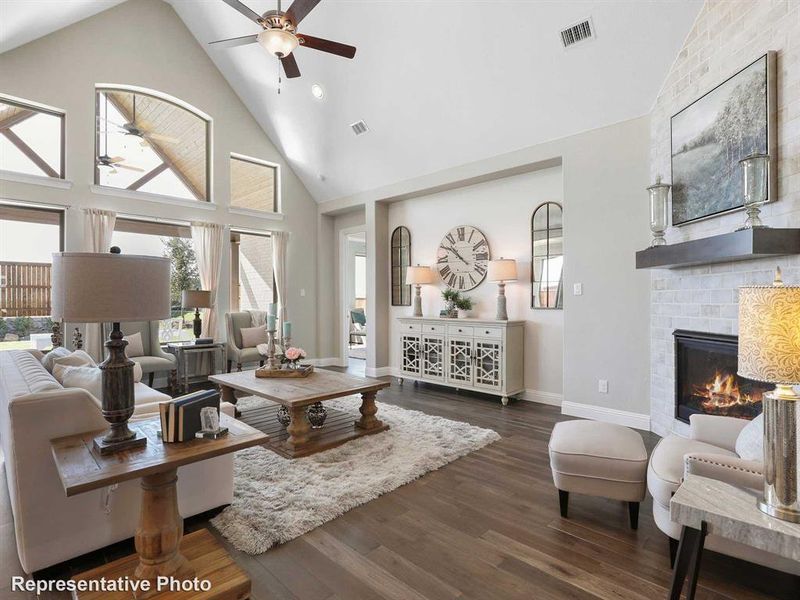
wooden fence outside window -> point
(24, 289)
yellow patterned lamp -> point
(769, 350)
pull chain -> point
(279, 77)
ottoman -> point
(599, 459)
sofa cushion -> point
(154, 364)
(85, 377)
(146, 395)
(253, 336)
(665, 472)
(750, 443)
(23, 374)
(135, 346)
(50, 357)
(79, 358)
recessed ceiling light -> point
(317, 91)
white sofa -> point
(51, 528)
(709, 451)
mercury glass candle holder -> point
(755, 175)
(658, 211)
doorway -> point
(353, 285)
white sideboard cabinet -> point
(471, 354)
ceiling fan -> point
(112, 162)
(280, 36)
(131, 128)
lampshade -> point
(103, 288)
(504, 269)
(419, 275)
(769, 333)
(196, 299)
(277, 42)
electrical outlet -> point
(602, 386)
(577, 289)
(303, 293)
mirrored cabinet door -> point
(401, 260)
(547, 256)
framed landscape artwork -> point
(710, 137)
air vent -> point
(359, 127)
(580, 32)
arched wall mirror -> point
(401, 259)
(547, 256)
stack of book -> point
(180, 417)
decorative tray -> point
(303, 371)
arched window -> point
(401, 259)
(547, 256)
(150, 142)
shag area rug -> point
(276, 499)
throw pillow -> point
(51, 356)
(86, 377)
(750, 443)
(79, 358)
(134, 347)
(253, 336)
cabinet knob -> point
(487, 332)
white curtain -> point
(208, 244)
(98, 227)
(280, 243)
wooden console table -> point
(706, 506)
(162, 551)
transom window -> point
(254, 184)
(31, 139)
(151, 144)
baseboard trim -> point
(379, 371)
(540, 397)
(609, 415)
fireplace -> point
(706, 381)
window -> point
(361, 277)
(252, 277)
(173, 241)
(151, 144)
(31, 139)
(254, 184)
(28, 238)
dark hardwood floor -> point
(484, 527)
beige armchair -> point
(155, 360)
(234, 323)
(709, 451)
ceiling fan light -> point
(277, 42)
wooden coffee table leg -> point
(368, 410)
(298, 427)
(227, 395)
(160, 530)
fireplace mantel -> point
(748, 244)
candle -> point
(272, 309)
(270, 322)
(287, 329)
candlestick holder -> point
(286, 343)
(273, 363)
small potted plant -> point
(455, 303)
(293, 356)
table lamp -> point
(769, 350)
(502, 270)
(103, 288)
(196, 299)
(418, 276)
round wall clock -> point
(463, 258)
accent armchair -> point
(154, 360)
(234, 323)
(709, 451)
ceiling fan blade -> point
(327, 45)
(129, 167)
(290, 66)
(247, 12)
(162, 138)
(237, 41)
(300, 9)
(115, 159)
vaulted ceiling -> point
(439, 83)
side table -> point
(182, 352)
(162, 551)
(706, 506)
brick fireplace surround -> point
(727, 36)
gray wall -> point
(62, 69)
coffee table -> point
(297, 394)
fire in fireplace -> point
(706, 381)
